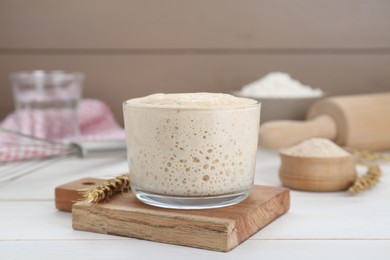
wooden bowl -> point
(317, 174)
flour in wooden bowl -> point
(317, 164)
(316, 147)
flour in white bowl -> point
(279, 85)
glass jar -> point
(191, 158)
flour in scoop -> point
(316, 147)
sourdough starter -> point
(194, 144)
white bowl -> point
(294, 108)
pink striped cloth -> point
(96, 123)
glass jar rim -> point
(255, 104)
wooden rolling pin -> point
(358, 121)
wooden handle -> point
(278, 134)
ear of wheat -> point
(373, 174)
(367, 180)
(104, 191)
(367, 156)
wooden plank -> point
(177, 24)
(115, 78)
(138, 249)
(334, 215)
(323, 216)
(220, 229)
(41, 183)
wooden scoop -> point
(359, 121)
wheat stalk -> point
(373, 174)
(366, 181)
(104, 191)
(367, 156)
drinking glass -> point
(46, 103)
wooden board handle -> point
(284, 133)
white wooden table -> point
(318, 225)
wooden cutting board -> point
(219, 229)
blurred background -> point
(131, 48)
